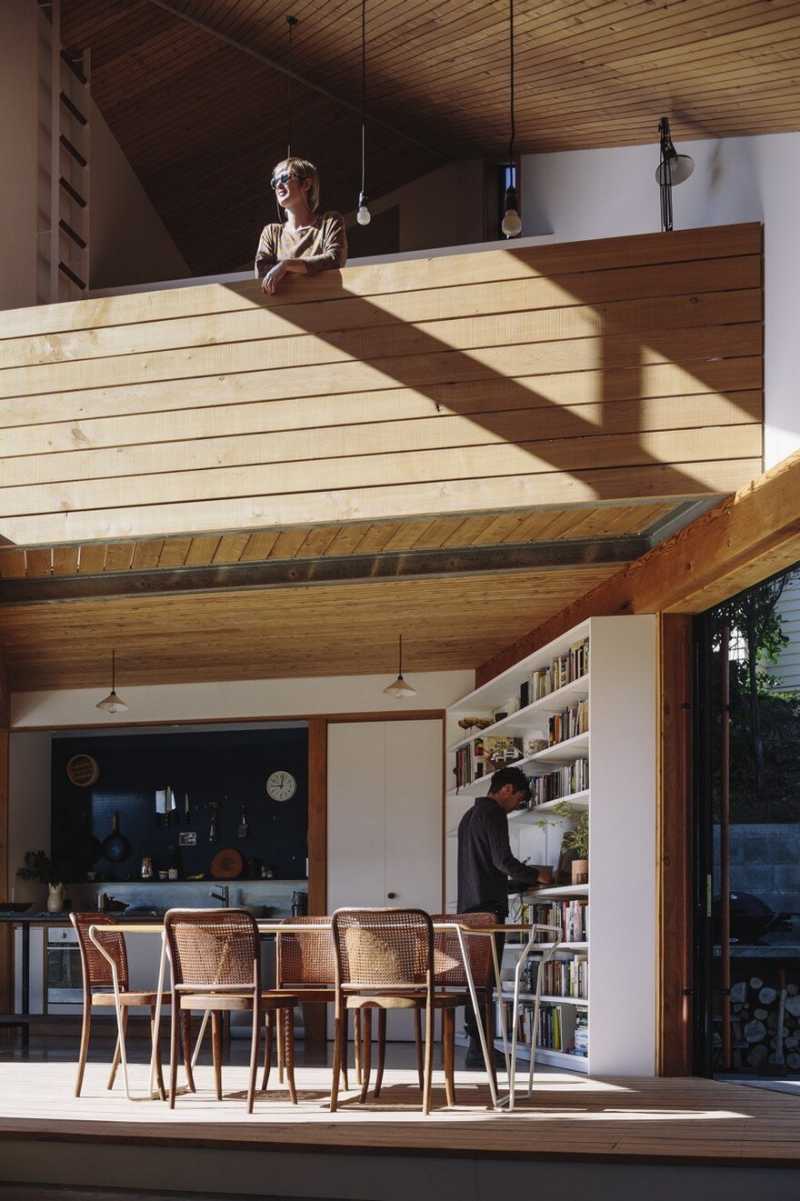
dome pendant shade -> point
(400, 687)
(113, 703)
(675, 169)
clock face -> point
(281, 786)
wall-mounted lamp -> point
(673, 169)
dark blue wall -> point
(229, 767)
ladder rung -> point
(76, 196)
(70, 274)
(71, 233)
(73, 150)
(73, 61)
(73, 108)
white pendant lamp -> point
(113, 703)
(400, 687)
(363, 215)
(511, 225)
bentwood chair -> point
(215, 955)
(98, 991)
(384, 960)
(449, 971)
(305, 965)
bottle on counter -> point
(147, 868)
(242, 830)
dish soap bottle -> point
(242, 830)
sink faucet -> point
(221, 894)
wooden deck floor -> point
(676, 1121)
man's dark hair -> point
(510, 775)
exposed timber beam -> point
(741, 541)
(338, 569)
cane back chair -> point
(98, 991)
(384, 960)
(215, 956)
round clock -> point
(281, 786)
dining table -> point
(270, 928)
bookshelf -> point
(610, 750)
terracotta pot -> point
(580, 871)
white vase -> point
(55, 898)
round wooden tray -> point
(227, 864)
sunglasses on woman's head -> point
(283, 177)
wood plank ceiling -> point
(202, 121)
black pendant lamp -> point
(400, 688)
(363, 215)
(673, 169)
(511, 225)
(291, 22)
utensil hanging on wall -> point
(116, 847)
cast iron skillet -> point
(116, 846)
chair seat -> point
(129, 998)
(236, 1001)
(403, 1000)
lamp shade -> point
(400, 688)
(676, 168)
(112, 703)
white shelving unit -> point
(621, 748)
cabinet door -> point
(413, 807)
(356, 788)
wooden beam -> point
(746, 538)
(674, 857)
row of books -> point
(563, 670)
(485, 756)
(565, 977)
(572, 777)
(569, 722)
(571, 917)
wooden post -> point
(314, 1015)
(675, 834)
(725, 845)
(5, 866)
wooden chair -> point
(449, 971)
(98, 986)
(384, 960)
(215, 956)
(305, 965)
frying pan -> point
(115, 845)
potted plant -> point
(576, 841)
(39, 866)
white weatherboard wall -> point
(606, 193)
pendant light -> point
(400, 687)
(113, 703)
(291, 22)
(363, 215)
(511, 225)
(673, 169)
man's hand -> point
(273, 277)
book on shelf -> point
(561, 1028)
(563, 670)
(581, 1034)
(570, 917)
(562, 977)
(568, 723)
(562, 782)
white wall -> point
(604, 193)
(130, 243)
(18, 152)
(228, 700)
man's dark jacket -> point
(485, 862)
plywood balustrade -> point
(608, 370)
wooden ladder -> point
(64, 159)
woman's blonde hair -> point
(303, 169)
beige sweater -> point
(323, 245)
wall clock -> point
(281, 786)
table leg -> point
(478, 1015)
(157, 1015)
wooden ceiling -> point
(202, 120)
(347, 629)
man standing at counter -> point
(485, 864)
